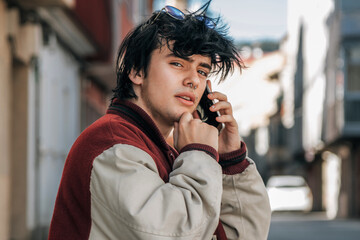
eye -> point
(205, 74)
(176, 64)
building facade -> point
(57, 62)
(316, 130)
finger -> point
(185, 118)
(223, 107)
(196, 121)
(218, 95)
(226, 119)
(229, 121)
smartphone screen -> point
(204, 112)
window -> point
(352, 81)
(353, 69)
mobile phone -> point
(204, 112)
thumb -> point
(185, 118)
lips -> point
(186, 98)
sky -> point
(248, 20)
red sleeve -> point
(201, 147)
(234, 162)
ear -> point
(136, 77)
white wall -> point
(251, 93)
(316, 42)
(59, 120)
(313, 15)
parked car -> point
(289, 193)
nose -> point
(192, 79)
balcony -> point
(352, 117)
(46, 3)
(74, 22)
(342, 116)
(352, 90)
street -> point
(312, 226)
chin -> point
(177, 118)
(177, 115)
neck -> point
(164, 127)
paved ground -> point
(312, 226)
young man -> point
(122, 180)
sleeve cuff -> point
(202, 147)
(237, 168)
(234, 162)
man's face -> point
(169, 88)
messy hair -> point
(183, 37)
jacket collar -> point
(140, 118)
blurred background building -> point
(297, 103)
(56, 74)
(299, 113)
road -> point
(312, 226)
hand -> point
(229, 138)
(192, 130)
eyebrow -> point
(202, 64)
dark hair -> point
(183, 37)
